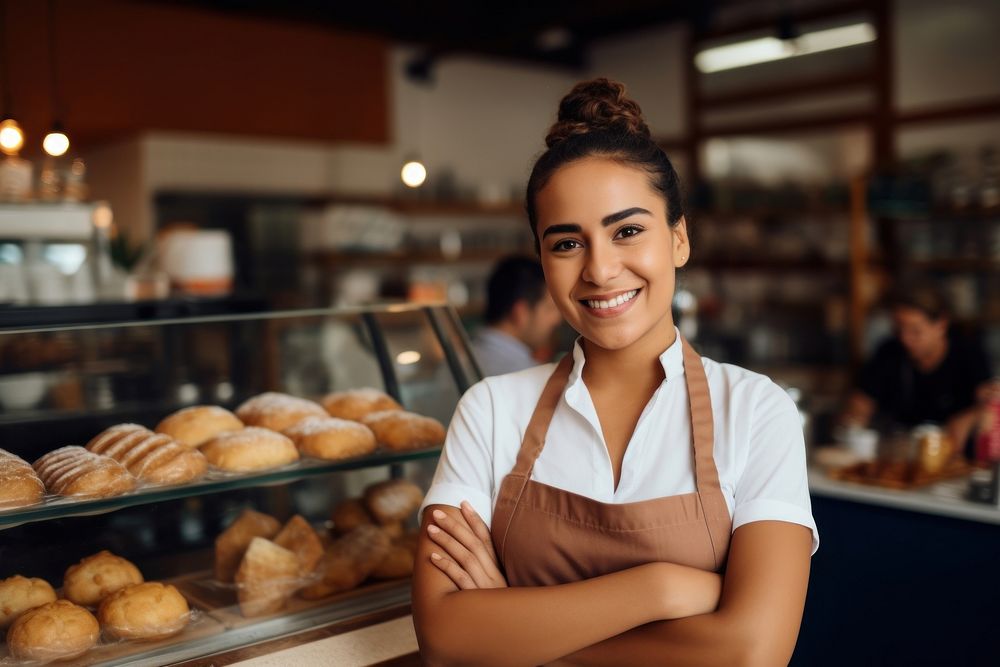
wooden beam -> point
(989, 106)
(785, 90)
(782, 126)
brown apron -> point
(545, 536)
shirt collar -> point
(672, 360)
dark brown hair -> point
(922, 296)
(596, 119)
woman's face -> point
(607, 251)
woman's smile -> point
(609, 304)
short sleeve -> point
(465, 469)
(774, 485)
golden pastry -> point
(152, 457)
(58, 630)
(399, 561)
(331, 438)
(19, 594)
(151, 610)
(299, 537)
(401, 431)
(393, 500)
(356, 403)
(196, 425)
(277, 411)
(250, 449)
(73, 471)
(232, 543)
(349, 561)
(350, 514)
(266, 578)
(20, 486)
(98, 576)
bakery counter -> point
(905, 577)
(946, 498)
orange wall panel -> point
(127, 67)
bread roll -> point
(232, 543)
(393, 500)
(399, 561)
(144, 611)
(277, 411)
(73, 471)
(356, 403)
(350, 514)
(98, 576)
(266, 578)
(196, 425)
(401, 431)
(19, 484)
(19, 594)
(299, 537)
(58, 630)
(152, 457)
(250, 449)
(331, 438)
(349, 561)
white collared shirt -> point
(498, 352)
(759, 449)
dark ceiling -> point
(555, 32)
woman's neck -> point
(636, 365)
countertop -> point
(943, 499)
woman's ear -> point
(682, 246)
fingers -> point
(461, 532)
(479, 527)
(454, 572)
(458, 550)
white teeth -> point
(617, 301)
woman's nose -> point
(603, 264)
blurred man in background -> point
(925, 373)
(520, 317)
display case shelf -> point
(214, 482)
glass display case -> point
(64, 385)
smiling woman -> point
(635, 503)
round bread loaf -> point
(277, 411)
(196, 425)
(19, 484)
(97, 576)
(350, 514)
(250, 449)
(399, 561)
(151, 610)
(57, 630)
(400, 431)
(152, 457)
(74, 471)
(393, 500)
(356, 403)
(19, 594)
(331, 438)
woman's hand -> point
(469, 559)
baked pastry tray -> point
(217, 624)
(214, 482)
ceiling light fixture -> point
(55, 143)
(769, 49)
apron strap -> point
(702, 426)
(538, 427)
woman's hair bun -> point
(596, 105)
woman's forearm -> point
(537, 624)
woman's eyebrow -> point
(610, 219)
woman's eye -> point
(628, 231)
(565, 244)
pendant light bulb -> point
(56, 143)
(414, 174)
(11, 136)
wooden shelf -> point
(421, 207)
(768, 265)
(334, 259)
